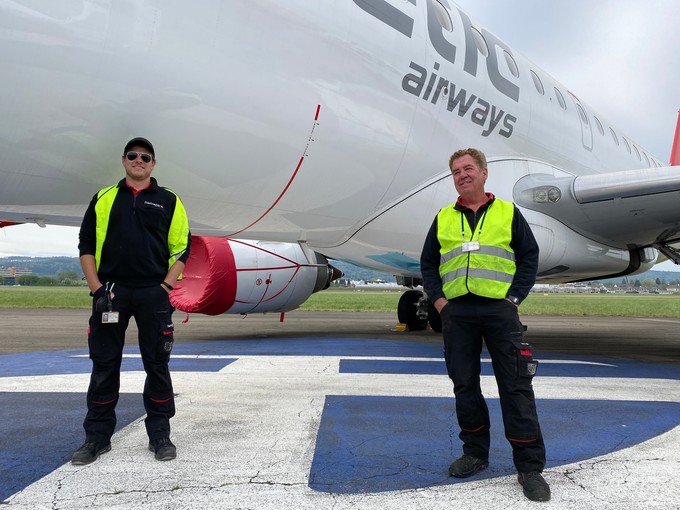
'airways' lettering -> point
(484, 113)
(401, 22)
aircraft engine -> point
(236, 276)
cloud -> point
(32, 241)
(618, 57)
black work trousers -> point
(466, 322)
(151, 308)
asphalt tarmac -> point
(337, 410)
(642, 339)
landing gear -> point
(410, 310)
(416, 311)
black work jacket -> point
(135, 252)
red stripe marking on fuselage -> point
(285, 189)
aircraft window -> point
(637, 152)
(480, 42)
(511, 64)
(626, 144)
(599, 125)
(560, 99)
(537, 83)
(442, 15)
(616, 139)
(582, 113)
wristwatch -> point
(515, 300)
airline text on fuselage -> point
(426, 85)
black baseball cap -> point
(139, 142)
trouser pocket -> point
(166, 333)
(526, 364)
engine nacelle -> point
(237, 276)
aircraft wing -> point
(629, 209)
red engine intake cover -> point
(209, 279)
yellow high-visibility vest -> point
(177, 234)
(487, 271)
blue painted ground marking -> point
(312, 346)
(78, 362)
(365, 444)
(376, 444)
(368, 444)
(587, 367)
(40, 432)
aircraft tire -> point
(407, 309)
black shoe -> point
(534, 486)
(89, 452)
(467, 466)
(163, 448)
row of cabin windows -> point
(584, 118)
(444, 19)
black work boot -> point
(534, 486)
(466, 466)
(163, 448)
(89, 452)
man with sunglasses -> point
(134, 242)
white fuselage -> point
(290, 120)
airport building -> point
(8, 275)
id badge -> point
(110, 318)
(470, 246)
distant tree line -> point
(45, 268)
(63, 278)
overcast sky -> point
(618, 56)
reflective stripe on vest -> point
(486, 272)
(177, 234)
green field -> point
(370, 300)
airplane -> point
(300, 132)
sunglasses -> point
(132, 155)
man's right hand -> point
(440, 303)
(98, 292)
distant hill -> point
(50, 266)
(43, 266)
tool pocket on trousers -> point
(526, 364)
(166, 334)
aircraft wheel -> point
(433, 317)
(407, 310)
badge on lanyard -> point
(470, 246)
(109, 317)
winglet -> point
(675, 150)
